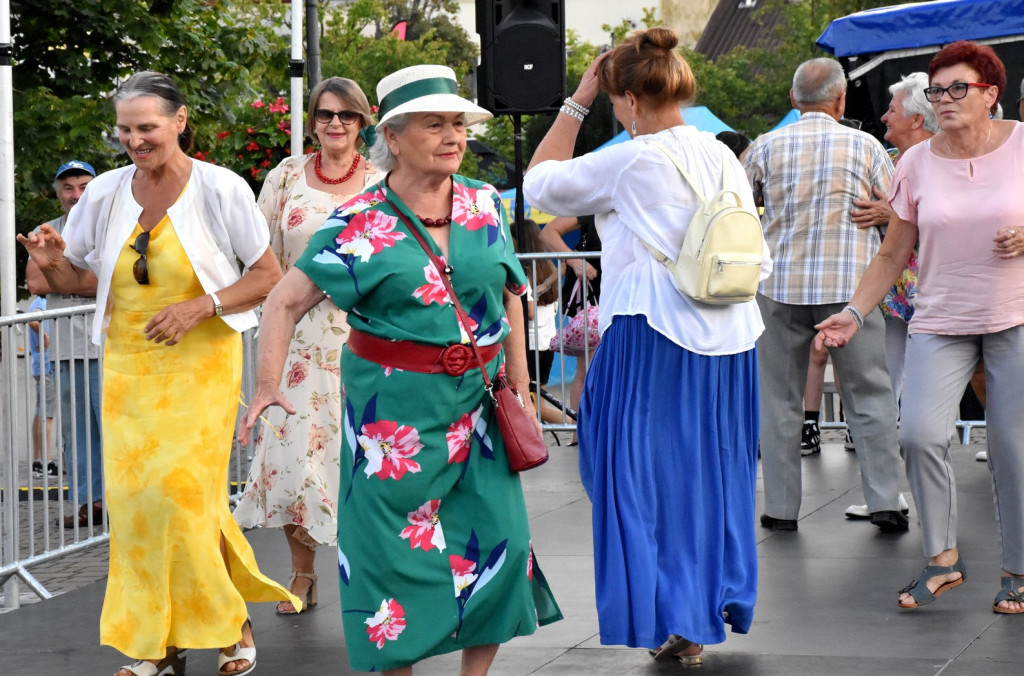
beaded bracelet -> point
(572, 112)
(857, 316)
(581, 109)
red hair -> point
(981, 58)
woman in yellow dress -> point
(162, 236)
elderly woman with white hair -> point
(433, 543)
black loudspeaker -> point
(522, 55)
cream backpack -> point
(723, 249)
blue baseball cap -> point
(76, 165)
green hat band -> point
(414, 90)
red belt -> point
(406, 355)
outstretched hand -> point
(264, 398)
(45, 246)
(835, 331)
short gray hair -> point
(818, 81)
(914, 102)
(380, 152)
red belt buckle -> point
(456, 359)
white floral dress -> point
(294, 479)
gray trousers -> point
(866, 392)
(938, 369)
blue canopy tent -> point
(789, 118)
(696, 116)
(878, 46)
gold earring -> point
(633, 128)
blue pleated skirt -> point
(668, 456)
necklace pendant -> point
(448, 270)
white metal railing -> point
(32, 508)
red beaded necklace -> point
(439, 223)
(334, 181)
(427, 222)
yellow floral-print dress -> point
(168, 421)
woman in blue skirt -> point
(669, 415)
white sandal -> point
(238, 654)
(172, 664)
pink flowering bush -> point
(255, 143)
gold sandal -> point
(309, 599)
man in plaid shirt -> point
(807, 175)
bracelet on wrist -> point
(572, 112)
(578, 107)
(857, 316)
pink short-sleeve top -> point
(963, 287)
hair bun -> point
(661, 37)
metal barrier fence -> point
(33, 504)
(32, 507)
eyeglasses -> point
(141, 267)
(956, 91)
(325, 116)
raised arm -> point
(560, 140)
(45, 248)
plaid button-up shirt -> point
(808, 174)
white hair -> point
(914, 101)
(380, 152)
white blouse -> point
(634, 189)
(215, 218)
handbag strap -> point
(445, 272)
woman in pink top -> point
(960, 194)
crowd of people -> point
(363, 255)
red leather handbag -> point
(524, 442)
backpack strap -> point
(686, 176)
(657, 254)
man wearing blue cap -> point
(79, 366)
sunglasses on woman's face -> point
(141, 268)
(324, 116)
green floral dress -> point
(434, 547)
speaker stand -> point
(520, 214)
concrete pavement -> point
(826, 606)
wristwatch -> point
(218, 309)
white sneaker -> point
(981, 456)
(861, 511)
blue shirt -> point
(39, 303)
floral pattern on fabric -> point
(899, 302)
(387, 623)
(293, 480)
(424, 470)
(425, 531)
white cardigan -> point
(215, 218)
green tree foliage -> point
(748, 88)
(70, 56)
